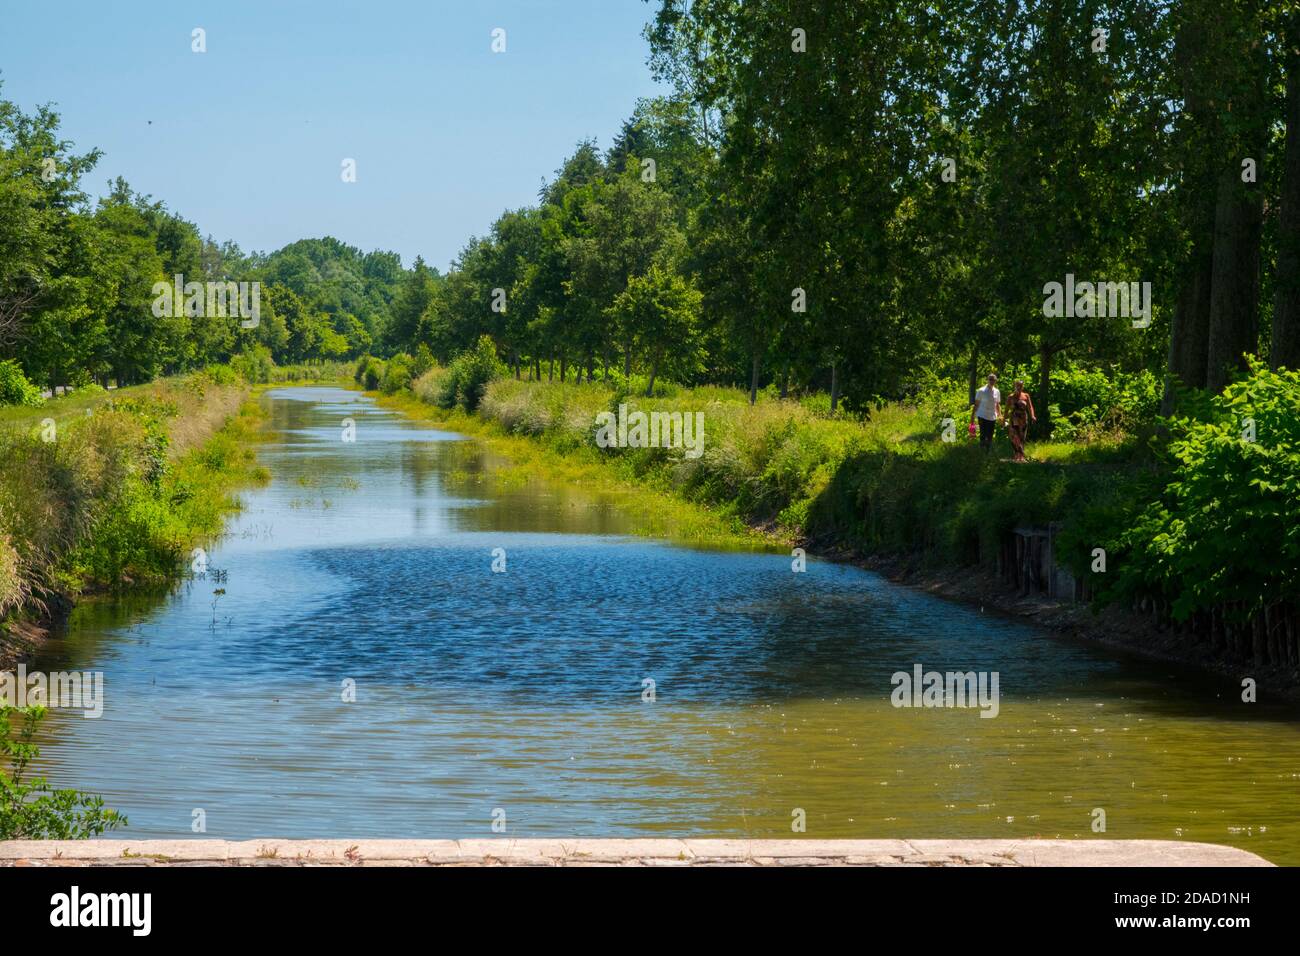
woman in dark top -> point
(1020, 412)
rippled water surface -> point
(372, 562)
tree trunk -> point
(1234, 287)
(1190, 326)
(753, 376)
(1190, 329)
(785, 381)
(654, 370)
(1240, 76)
(974, 370)
(1043, 400)
(835, 386)
(1285, 350)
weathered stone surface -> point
(656, 852)
(114, 850)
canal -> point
(351, 665)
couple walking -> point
(987, 407)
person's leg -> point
(986, 434)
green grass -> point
(119, 497)
(65, 407)
(883, 483)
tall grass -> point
(883, 482)
(117, 497)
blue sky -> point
(247, 139)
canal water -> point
(365, 569)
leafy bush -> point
(397, 374)
(423, 361)
(15, 389)
(254, 365)
(221, 375)
(369, 373)
(469, 374)
(1224, 533)
(36, 811)
(1087, 400)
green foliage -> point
(660, 311)
(1087, 402)
(222, 375)
(120, 495)
(1224, 532)
(468, 376)
(33, 810)
(14, 387)
(254, 365)
(370, 372)
(423, 361)
(397, 374)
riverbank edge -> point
(1113, 627)
(665, 514)
(635, 852)
(33, 626)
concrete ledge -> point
(582, 852)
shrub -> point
(370, 372)
(469, 374)
(397, 374)
(36, 811)
(423, 361)
(221, 375)
(15, 389)
(254, 365)
(1225, 530)
(1087, 400)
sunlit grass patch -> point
(120, 496)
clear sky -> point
(247, 139)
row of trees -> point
(834, 196)
(77, 281)
(838, 195)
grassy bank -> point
(888, 484)
(654, 512)
(117, 495)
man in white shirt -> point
(987, 407)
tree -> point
(659, 312)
